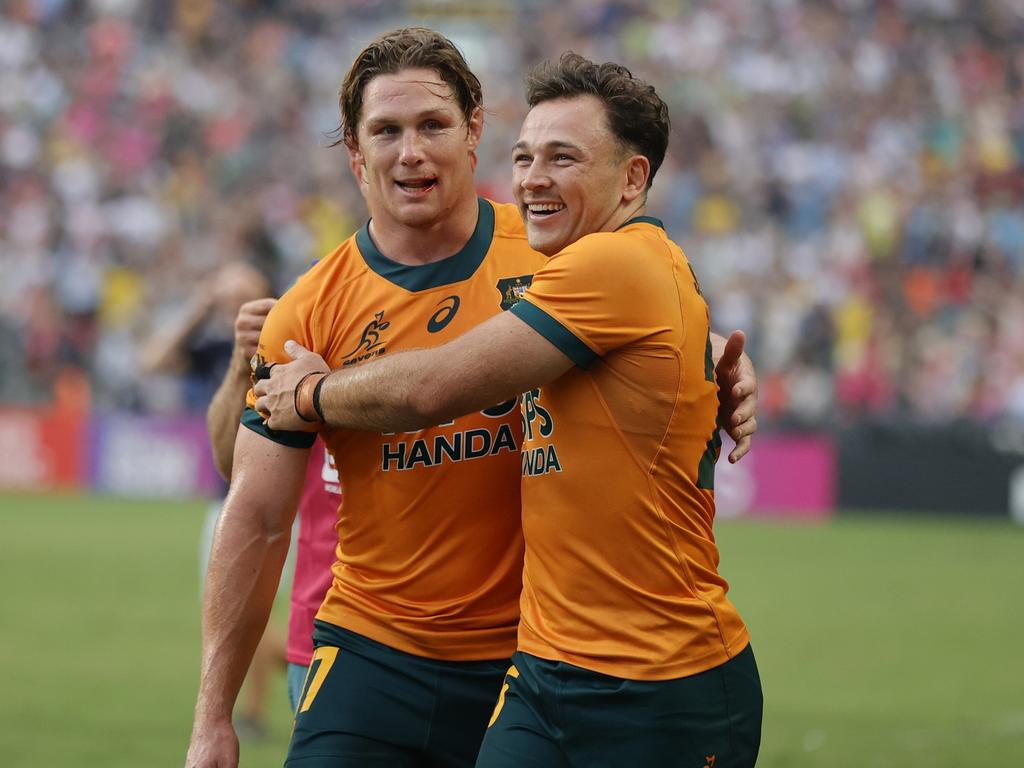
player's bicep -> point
(266, 479)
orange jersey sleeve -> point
(618, 465)
(614, 301)
(288, 319)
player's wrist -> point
(212, 709)
(241, 363)
(307, 396)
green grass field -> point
(881, 642)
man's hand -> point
(276, 396)
(248, 324)
(213, 745)
(737, 395)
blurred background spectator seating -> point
(846, 176)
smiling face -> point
(413, 153)
(571, 176)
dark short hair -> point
(637, 116)
(407, 48)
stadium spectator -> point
(855, 161)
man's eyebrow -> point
(549, 145)
(425, 114)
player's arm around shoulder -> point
(496, 361)
(249, 549)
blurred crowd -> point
(847, 178)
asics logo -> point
(447, 308)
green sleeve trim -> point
(552, 330)
(252, 420)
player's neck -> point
(429, 243)
(626, 212)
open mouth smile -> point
(537, 211)
(417, 187)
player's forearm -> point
(245, 567)
(249, 548)
(492, 363)
(387, 395)
(224, 412)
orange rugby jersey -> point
(429, 557)
(618, 465)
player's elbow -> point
(421, 410)
(222, 445)
(257, 517)
(431, 400)
(222, 463)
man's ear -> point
(475, 128)
(356, 161)
(638, 171)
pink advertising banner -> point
(784, 476)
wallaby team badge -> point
(512, 289)
(370, 343)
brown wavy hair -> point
(406, 48)
(637, 116)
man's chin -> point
(417, 215)
(545, 243)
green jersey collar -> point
(642, 220)
(422, 277)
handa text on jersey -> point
(459, 446)
(540, 461)
(537, 423)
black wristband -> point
(316, 399)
